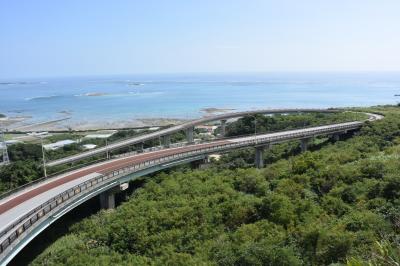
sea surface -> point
(116, 98)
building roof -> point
(58, 144)
(89, 146)
(98, 136)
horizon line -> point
(203, 73)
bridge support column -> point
(259, 160)
(197, 164)
(166, 141)
(336, 137)
(223, 127)
(139, 147)
(189, 134)
(304, 144)
(107, 200)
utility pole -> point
(43, 157)
(107, 152)
(6, 159)
(255, 129)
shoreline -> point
(20, 124)
(14, 124)
(64, 124)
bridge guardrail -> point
(42, 179)
(25, 224)
(183, 126)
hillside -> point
(338, 203)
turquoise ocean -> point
(184, 96)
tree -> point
(392, 188)
(278, 209)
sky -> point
(46, 38)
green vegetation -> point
(261, 123)
(339, 204)
(24, 169)
(1, 115)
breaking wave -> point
(42, 97)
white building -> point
(99, 136)
(89, 146)
(206, 128)
(39, 134)
(58, 144)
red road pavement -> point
(102, 169)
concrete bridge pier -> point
(197, 164)
(304, 144)
(107, 198)
(139, 147)
(223, 127)
(259, 160)
(166, 141)
(189, 134)
(336, 137)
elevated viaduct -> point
(28, 211)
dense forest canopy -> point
(338, 203)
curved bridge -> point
(24, 214)
(187, 127)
